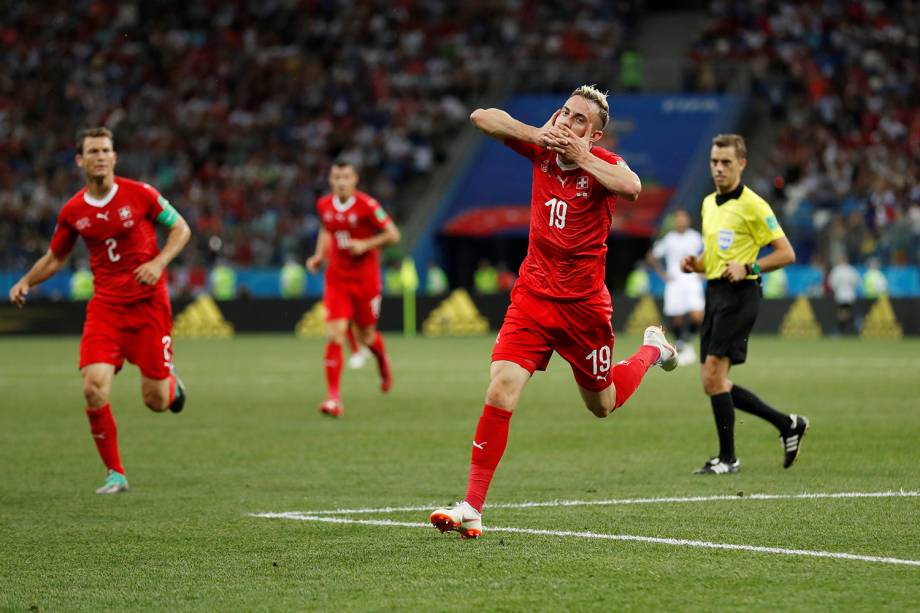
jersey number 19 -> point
(557, 211)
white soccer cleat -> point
(461, 518)
(655, 337)
(358, 359)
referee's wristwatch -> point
(753, 269)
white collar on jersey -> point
(340, 206)
(97, 202)
(563, 165)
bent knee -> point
(599, 407)
(95, 393)
(155, 401)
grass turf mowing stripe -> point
(621, 501)
(610, 537)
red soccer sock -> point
(489, 444)
(383, 363)
(333, 363)
(105, 434)
(628, 374)
(352, 343)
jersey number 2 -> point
(112, 243)
(557, 211)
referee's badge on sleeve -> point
(726, 238)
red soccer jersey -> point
(569, 223)
(361, 216)
(119, 231)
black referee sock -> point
(724, 412)
(750, 403)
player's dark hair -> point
(731, 140)
(93, 133)
(343, 162)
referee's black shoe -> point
(178, 402)
(718, 466)
(792, 440)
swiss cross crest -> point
(82, 223)
(124, 213)
(327, 216)
(581, 182)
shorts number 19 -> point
(600, 360)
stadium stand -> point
(235, 110)
(843, 80)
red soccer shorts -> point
(352, 300)
(140, 332)
(580, 331)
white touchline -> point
(610, 537)
(620, 501)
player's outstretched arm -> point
(44, 268)
(149, 273)
(319, 255)
(499, 124)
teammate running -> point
(129, 316)
(560, 302)
(354, 227)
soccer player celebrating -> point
(737, 223)
(683, 292)
(560, 302)
(354, 227)
(129, 316)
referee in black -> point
(736, 224)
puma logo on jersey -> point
(104, 216)
(562, 180)
(481, 445)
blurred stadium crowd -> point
(236, 109)
(843, 78)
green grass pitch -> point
(251, 441)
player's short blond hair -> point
(93, 133)
(592, 94)
(731, 140)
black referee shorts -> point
(731, 310)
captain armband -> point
(169, 215)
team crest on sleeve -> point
(726, 238)
(581, 182)
(380, 214)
